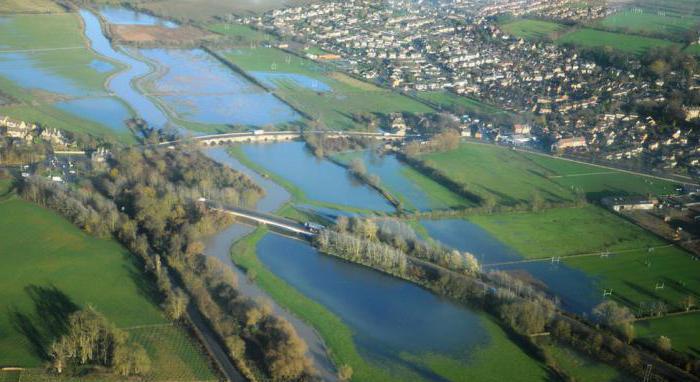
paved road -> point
(211, 343)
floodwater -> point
(125, 16)
(121, 83)
(576, 290)
(220, 247)
(25, 70)
(389, 317)
(275, 79)
(107, 111)
(201, 89)
(101, 66)
(390, 171)
(319, 179)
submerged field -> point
(45, 61)
(54, 268)
(320, 92)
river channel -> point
(394, 322)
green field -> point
(634, 276)
(693, 49)
(514, 176)
(333, 108)
(592, 38)
(241, 33)
(598, 182)
(682, 330)
(646, 21)
(53, 267)
(503, 173)
(566, 231)
(29, 6)
(450, 100)
(582, 368)
(533, 29)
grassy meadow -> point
(514, 176)
(29, 6)
(682, 330)
(450, 100)
(649, 21)
(55, 268)
(634, 276)
(241, 33)
(582, 368)
(532, 29)
(333, 108)
(592, 38)
(597, 182)
(565, 231)
(506, 174)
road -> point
(210, 341)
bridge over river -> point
(283, 224)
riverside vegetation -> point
(161, 222)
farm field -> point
(591, 38)
(673, 7)
(682, 330)
(565, 231)
(451, 100)
(29, 6)
(649, 21)
(483, 168)
(328, 96)
(693, 49)
(582, 368)
(533, 29)
(636, 277)
(56, 268)
(205, 10)
(241, 33)
(599, 182)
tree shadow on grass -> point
(52, 308)
(145, 284)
